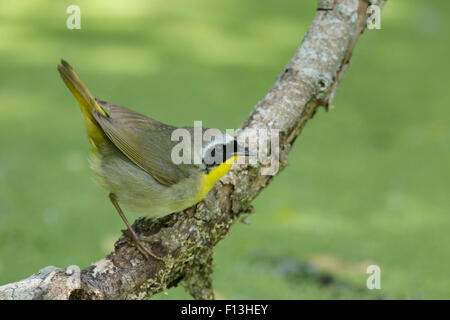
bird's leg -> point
(146, 252)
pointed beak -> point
(239, 150)
(244, 152)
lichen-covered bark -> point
(187, 239)
(50, 283)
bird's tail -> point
(87, 103)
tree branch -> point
(186, 239)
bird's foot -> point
(145, 251)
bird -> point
(131, 154)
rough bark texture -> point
(187, 239)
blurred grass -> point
(368, 181)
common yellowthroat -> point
(131, 155)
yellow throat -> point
(210, 179)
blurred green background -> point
(368, 181)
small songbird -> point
(131, 155)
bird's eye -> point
(224, 153)
(217, 155)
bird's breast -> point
(210, 179)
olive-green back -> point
(145, 141)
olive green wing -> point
(145, 141)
